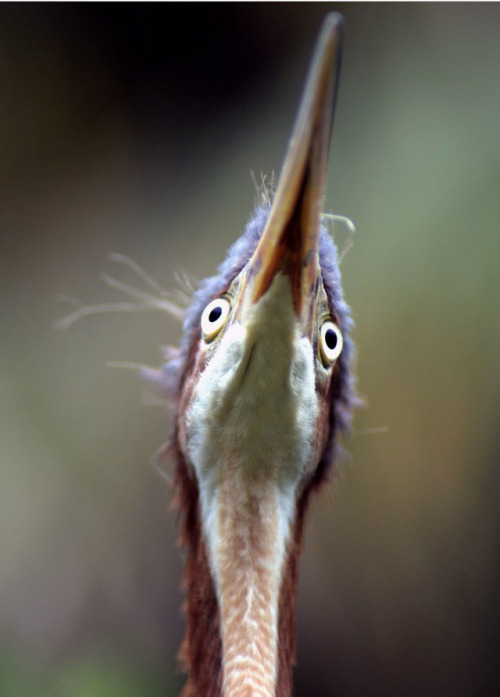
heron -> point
(262, 387)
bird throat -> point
(248, 436)
(248, 560)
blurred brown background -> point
(134, 129)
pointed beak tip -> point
(290, 241)
(333, 22)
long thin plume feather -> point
(144, 300)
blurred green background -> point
(134, 129)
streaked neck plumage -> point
(201, 653)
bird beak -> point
(289, 242)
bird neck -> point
(240, 638)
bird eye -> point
(330, 343)
(214, 318)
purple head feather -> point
(170, 377)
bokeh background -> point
(135, 129)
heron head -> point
(268, 344)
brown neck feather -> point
(201, 651)
(288, 596)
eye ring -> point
(330, 343)
(214, 318)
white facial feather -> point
(256, 401)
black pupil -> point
(215, 314)
(331, 339)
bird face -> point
(264, 379)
